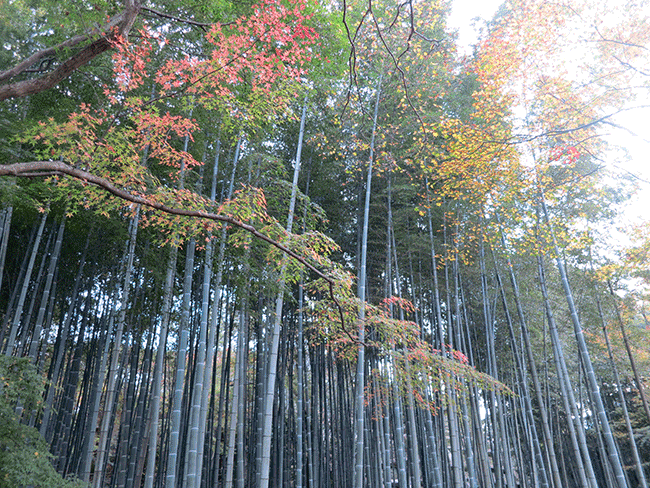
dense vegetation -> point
(296, 244)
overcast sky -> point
(462, 17)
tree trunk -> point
(541, 465)
(38, 326)
(576, 430)
(213, 333)
(638, 466)
(637, 379)
(612, 450)
(532, 367)
(174, 460)
(18, 312)
(359, 409)
(88, 446)
(158, 368)
(277, 325)
(113, 372)
(6, 227)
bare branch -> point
(352, 58)
(396, 62)
(201, 25)
(625, 64)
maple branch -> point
(605, 119)
(23, 66)
(559, 132)
(119, 24)
(602, 37)
(615, 41)
(342, 318)
(53, 168)
(37, 85)
(629, 66)
(187, 86)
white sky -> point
(468, 16)
(634, 137)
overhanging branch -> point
(52, 168)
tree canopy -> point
(289, 243)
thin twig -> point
(202, 25)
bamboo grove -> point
(289, 244)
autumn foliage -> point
(485, 186)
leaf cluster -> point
(414, 363)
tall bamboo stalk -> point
(277, 325)
(638, 466)
(576, 430)
(54, 258)
(18, 312)
(612, 450)
(635, 372)
(113, 370)
(359, 410)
